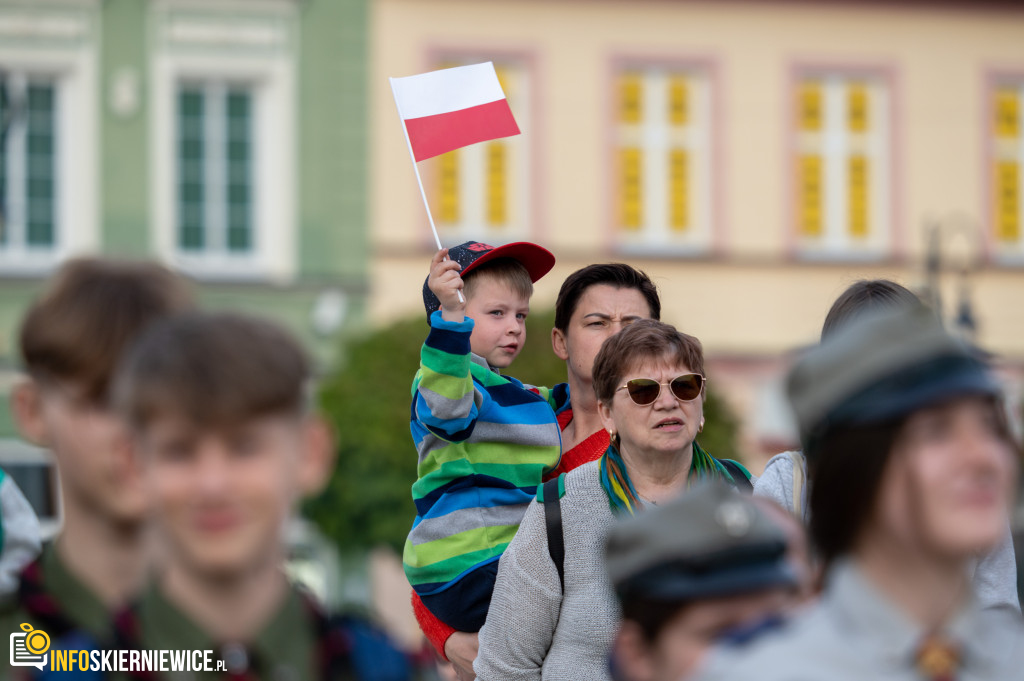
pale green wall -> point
(332, 139)
(124, 157)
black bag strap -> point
(553, 521)
(740, 481)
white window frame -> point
(656, 237)
(190, 49)
(59, 43)
(1002, 252)
(836, 243)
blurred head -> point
(905, 438)
(597, 302)
(498, 301)
(709, 565)
(865, 296)
(218, 409)
(649, 383)
(71, 340)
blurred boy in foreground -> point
(219, 413)
(71, 340)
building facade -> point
(225, 138)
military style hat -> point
(881, 367)
(709, 542)
(537, 260)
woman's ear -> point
(559, 344)
(318, 456)
(605, 412)
(27, 407)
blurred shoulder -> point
(776, 482)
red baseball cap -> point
(537, 260)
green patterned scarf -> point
(623, 497)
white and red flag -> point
(452, 108)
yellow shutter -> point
(678, 101)
(448, 187)
(1007, 201)
(631, 197)
(809, 106)
(679, 209)
(858, 196)
(631, 94)
(502, 73)
(809, 187)
(1007, 114)
(857, 107)
(497, 160)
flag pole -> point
(416, 169)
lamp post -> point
(965, 321)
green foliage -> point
(368, 499)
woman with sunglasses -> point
(650, 385)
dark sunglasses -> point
(644, 391)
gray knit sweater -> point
(535, 632)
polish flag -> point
(452, 108)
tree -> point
(368, 500)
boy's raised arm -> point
(446, 399)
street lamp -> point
(957, 224)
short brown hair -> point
(507, 271)
(88, 315)
(643, 340)
(214, 370)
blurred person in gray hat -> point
(709, 565)
(913, 468)
(784, 479)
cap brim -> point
(739, 580)
(537, 260)
(940, 388)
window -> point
(842, 166)
(663, 159)
(482, 191)
(1007, 146)
(28, 144)
(48, 134)
(215, 169)
(223, 102)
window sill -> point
(227, 269)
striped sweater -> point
(484, 442)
